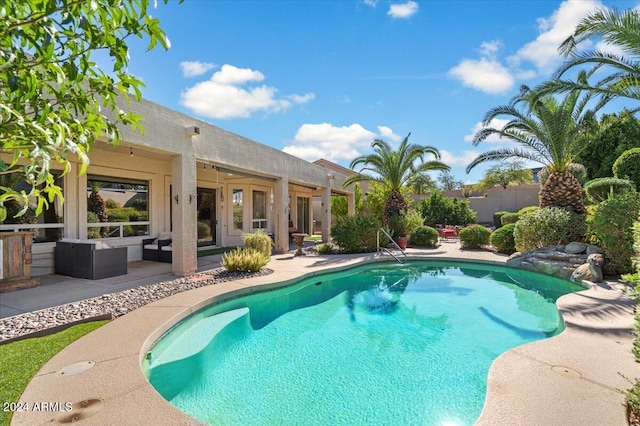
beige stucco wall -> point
(166, 149)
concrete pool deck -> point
(577, 377)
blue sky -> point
(323, 78)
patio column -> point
(183, 205)
(326, 214)
(351, 201)
(281, 214)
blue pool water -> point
(378, 344)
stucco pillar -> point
(326, 214)
(183, 204)
(281, 214)
(71, 203)
(351, 201)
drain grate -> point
(566, 371)
(76, 368)
(80, 411)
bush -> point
(627, 166)
(610, 228)
(474, 236)
(404, 224)
(509, 218)
(356, 234)
(497, 218)
(244, 260)
(126, 214)
(528, 210)
(548, 226)
(324, 249)
(502, 239)
(446, 211)
(204, 230)
(425, 236)
(599, 189)
(259, 241)
(92, 217)
(111, 204)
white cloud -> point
(496, 123)
(485, 74)
(194, 68)
(403, 10)
(387, 133)
(543, 51)
(458, 159)
(226, 95)
(334, 143)
(371, 3)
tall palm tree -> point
(551, 132)
(620, 29)
(394, 169)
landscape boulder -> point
(575, 261)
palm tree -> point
(551, 132)
(621, 29)
(394, 169)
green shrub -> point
(627, 166)
(259, 241)
(111, 204)
(204, 230)
(324, 249)
(502, 239)
(509, 218)
(598, 190)
(474, 236)
(355, 234)
(92, 217)
(404, 224)
(548, 226)
(446, 211)
(244, 260)
(497, 218)
(425, 236)
(528, 210)
(610, 228)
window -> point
(117, 207)
(48, 226)
(259, 210)
(238, 209)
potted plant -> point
(403, 225)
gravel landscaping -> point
(114, 304)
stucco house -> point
(204, 185)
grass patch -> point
(216, 250)
(21, 360)
(315, 238)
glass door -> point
(303, 214)
(207, 222)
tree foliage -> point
(54, 98)
(339, 207)
(505, 174)
(447, 182)
(438, 210)
(627, 166)
(612, 135)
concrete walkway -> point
(571, 379)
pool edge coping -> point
(123, 329)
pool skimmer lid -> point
(566, 371)
(76, 368)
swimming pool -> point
(379, 343)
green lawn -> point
(21, 360)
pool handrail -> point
(384, 249)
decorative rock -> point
(581, 273)
(575, 248)
(596, 258)
(116, 304)
(591, 249)
(560, 262)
